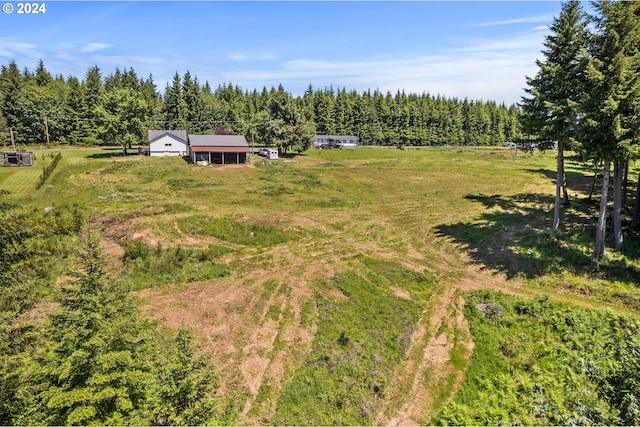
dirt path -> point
(427, 371)
(255, 332)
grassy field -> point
(330, 286)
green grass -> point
(146, 267)
(233, 231)
(361, 337)
(542, 363)
(379, 219)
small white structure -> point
(168, 143)
(272, 154)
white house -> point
(335, 141)
(168, 142)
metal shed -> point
(17, 158)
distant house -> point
(168, 143)
(335, 141)
(219, 149)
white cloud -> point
(488, 69)
(94, 47)
(10, 48)
(252, 57)
(524, 20)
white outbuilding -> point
(168, 143)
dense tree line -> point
(586, 96)
(119, 108)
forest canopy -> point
(44, 108)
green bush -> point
(48, 170)
(542, 363)
(233, 231)
(150, 267)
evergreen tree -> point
(612, 108)
(193, 102)
(113, 81)
(93, 98)
(175, 107)
(75, 111)
(11, 82)
(149, 94)
(552, 110)
(43, 77)
(101, 364)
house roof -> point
(218, 141)
(336, 136)
(219, 149)
(178, 134)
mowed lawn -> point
(21, 182)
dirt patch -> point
(37, 315)
(254, 343)
(401, 293)
(145, 236)
(112, 249)
(335, 295)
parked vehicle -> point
(269, 153)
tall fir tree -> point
(175, 107)
(11, 83)
(552, 109)
(612, 108)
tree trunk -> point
(598, 249)
(618, 175)
(636, 204)
(559, 185)
(593, 184)
(625, 183)
(564, 188)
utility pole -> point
(13, 141)
(46, 129)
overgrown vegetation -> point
(537, 362)
(364, 330)
(81, 355)
(47, 170)
(347, 242)
(152, 267)
(232, 231)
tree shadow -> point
(579, 178)
(513, 236)
(112, 152)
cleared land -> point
(329, 287)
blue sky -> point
(464, 49)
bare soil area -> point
(254, 331)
